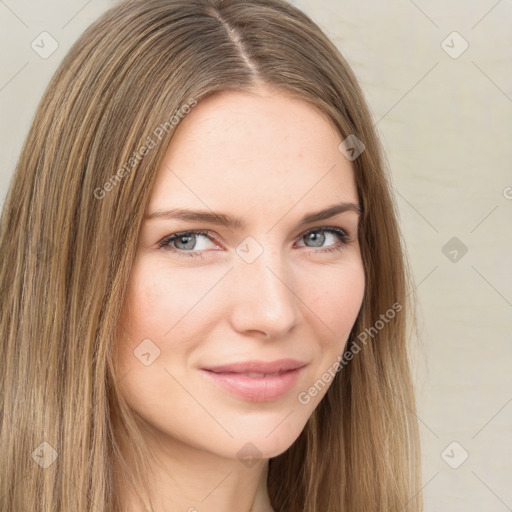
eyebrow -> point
(228, 221)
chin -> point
(266, 438)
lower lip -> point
(256, 389)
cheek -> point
(161, 317)
(332, 308)
(160, 301)
(334, 298)
(170, 307)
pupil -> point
(186, 240)
(315, 237)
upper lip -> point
(277, 366)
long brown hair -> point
(69, 232)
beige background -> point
(445, 118)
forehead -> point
(239, 149)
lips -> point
(258, 367)
(256, 381)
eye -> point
(192, 243)
(318, 236)
(187, 243)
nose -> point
(263, 297)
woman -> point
(203, 288)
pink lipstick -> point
(256, 381)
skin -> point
(270, 159)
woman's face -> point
(230, 332)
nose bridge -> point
(264, 298)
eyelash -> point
(344, 239)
